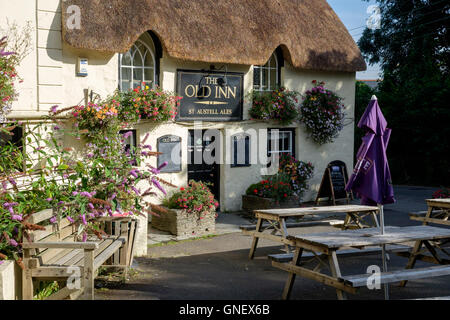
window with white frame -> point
(265, 78)
(281, 141)
(138, 64)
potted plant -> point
(187, 212)
(274, 192)
(322, 113)
(278, 105)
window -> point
(241, 150)
(138, 65)
(130, 144)
(266, 78)
(286, 142)
(11, 144)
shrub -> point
(279, 105)
(322, 113)
(195, 198)
(443, 193)
(277, 187)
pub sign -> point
(210, 95)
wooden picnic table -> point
(438, 213)
(325, 247)
(356, 216)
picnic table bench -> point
(325, 247)
(356, 216)
(54, 254)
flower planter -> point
(184, 224)
(250, 203)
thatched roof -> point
(225, 31)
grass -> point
(173, 242)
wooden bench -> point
(54, 254)
(312, 223)
(360, 280)
(287, 257)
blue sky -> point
(353, 14)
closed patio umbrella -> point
(371, 178)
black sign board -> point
(333, 183)
(210, 95)
(170, 147)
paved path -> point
(219, 268)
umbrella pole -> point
(383, 251)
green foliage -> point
(195, 198)
(412, 47)
(279, 105)
(322, 113)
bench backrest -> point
(65, 231)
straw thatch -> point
(221, 31)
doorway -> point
(198, 168)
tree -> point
(412, 47)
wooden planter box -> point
(250, 203)
(184, 224)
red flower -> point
(182, 189)
(255, 191)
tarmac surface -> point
(218, 268)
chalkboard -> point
(333, 183)
(170, 147)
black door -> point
(198, 169)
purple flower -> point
(127, 135)
(12, 181)
(53, 219)
(13, 242)
(75, 193)
(53, 109)
(85, 194)
(136, 190)
(165, 163)
(49, 199)
(158, 185)
(84, 239)
(83, 218)
(134, 173)
(17, 217)
(56, 128)
(70, 219)
(91, 206)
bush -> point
(279, 105)
(443, 193)
(322, 112)
(277, 187)
(195, 198)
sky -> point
(353, 14)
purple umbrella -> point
(371, 178)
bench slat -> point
(286, 257)
(250, 227)
(40, 216)
(102, 257)
(398, 276)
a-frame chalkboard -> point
(333, 183)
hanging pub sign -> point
(333, 183)
(210, 95)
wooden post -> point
(27, 279)
(291, 277)
(88, 275)
(255, 239)
(336, 273)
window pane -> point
(138, 59)
(126, 59)
(265, 79)
(148, 60)
(137, 77)
(126, 79)
(272, 62)
(256, 77)
(149, 75)
(273, 79)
